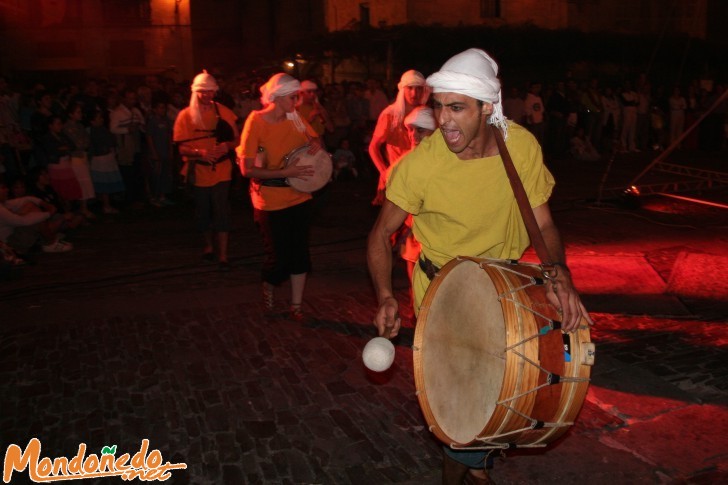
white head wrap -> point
(409, 78)
(202, 82)
(422, 117)
(308, 86)
(280, 85)
(472, 73)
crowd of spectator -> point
(588, 120)
(72, 153)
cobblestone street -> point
(130, 337)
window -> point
(364, 21)
(490, 9)
(127, 12)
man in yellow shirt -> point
(455, 186)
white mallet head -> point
(378, 354)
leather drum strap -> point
(534, 233)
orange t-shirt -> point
(305, 111)
(184, 129)
(276, 140)
(395, 135)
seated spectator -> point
(40, 187)
(24, 222)
(56, 147)
(18, 188)
(581, 147)
(344, 159)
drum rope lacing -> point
(551, 378)
(495, 445)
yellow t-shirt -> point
(467, 207)
(276, 140)
(184, 129)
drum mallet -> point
(378, 353)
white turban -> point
(472, 73)
(308, 86)
(280, 85)
(409, 78)
(202, 82)
(421, 117)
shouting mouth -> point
(451, 136)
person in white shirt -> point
(127, 122)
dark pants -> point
(285, 236)
(482, 459)
(212, 207)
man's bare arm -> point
(561, 289)
(379, 259)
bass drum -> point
(491, 368)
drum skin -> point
(479, 343)
(322, 165)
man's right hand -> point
(379, 261)
(387, 317)
(215, 154)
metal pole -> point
(677, 142)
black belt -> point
(273, 182)
(215, 162)
(428, 267)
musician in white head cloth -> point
(281, 212)
(420, 124)
(390, 139)
(206, 133)
(455, 186)
(310, 109)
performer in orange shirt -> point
(206, 134)
(281, 212)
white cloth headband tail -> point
(297, 121)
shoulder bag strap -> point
(534, 233)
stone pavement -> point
(130, 337)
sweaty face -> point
(413, 95)
(462, 121)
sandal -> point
(295, 312)
(268, 297)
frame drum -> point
(322, 166)
(492, 370)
